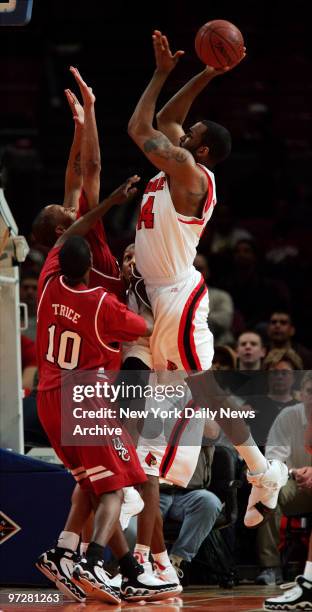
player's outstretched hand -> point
(125, 192)
(217, 71)
(86, 91)
(75, 107)
(165, 59)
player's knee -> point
(208, 503)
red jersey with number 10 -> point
(78, 328)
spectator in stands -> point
(221, 308)
(250, 351)
(279, 381)
(301, 593)
(285, 442)
(28, 295)
(195, 507)
(254, 295)
(224, 358)
(281, 332)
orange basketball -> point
(219, 43)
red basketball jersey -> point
(77, 327)
(105, 271)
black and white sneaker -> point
(57, 565)
(297, 598)
(148, 587)
(95, 581)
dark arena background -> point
(258, 245)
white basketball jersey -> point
(166, 241)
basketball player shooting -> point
(177, 204)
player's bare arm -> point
(188, 191)
(90, 149)
(155, 145)
(171, 117)
(122, 195)
(162, 147)
(186, 179)
(73, 175)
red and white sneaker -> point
(264, 493)
(147, 587)
(168, 574)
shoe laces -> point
(179, 572)
(289, 585)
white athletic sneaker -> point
(147, 586)
(297, 598)
(132, 505)
(168, 574)
(116, 581)
(95, 581)
(57, 564)
(264, 493)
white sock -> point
(83, 547)
(176, 560)
(162, 558)
(68, 539)
(255, 460)
(141, 553)
(308, 570)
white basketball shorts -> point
(181, 339)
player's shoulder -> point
(50, 268)
(206, 171)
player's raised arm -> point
(123, 194)
(90, 149)
(171, 117)
(154, 144)
(73, 176)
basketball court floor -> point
(239, 599)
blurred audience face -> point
(28, 293)
(244, 255)
(280, 328)
(201, 264)
(281, 378)
(250, 351)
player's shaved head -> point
(219, 141)
(75, 258)
(50, 222)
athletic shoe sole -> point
(147, 596)
(71, 590)
(97, 591)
